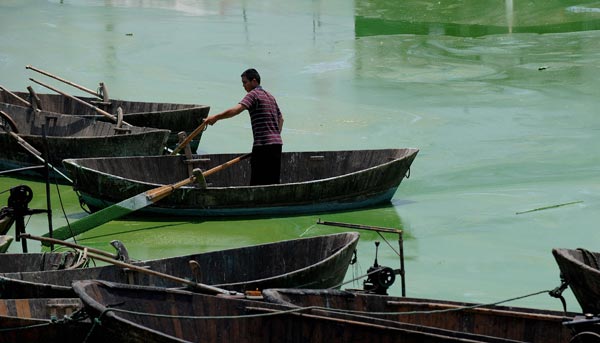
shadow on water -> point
(145, 229)
(297, 225)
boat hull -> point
(502, 322)
(315, 262)
(71, 137)
(42, 320)
(168, 116)
(311, 182)
(143, 314)
(579, 268)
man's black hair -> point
(251, 74)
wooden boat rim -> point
(83, 138)
(350, 238)
(568, 256)
(187, 106)
(90, 301)
(410, 152)
(354, 237)
(277, 295)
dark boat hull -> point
(579, 268)
(509, 323)
(42, 320)
(315, 262)
(159, 315)
(168, 116)
(310, 182)
(71, 137)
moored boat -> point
(502, 322)
(69, 137)
(580, 269)
(168, 116)
(310, 182)
(315, 262)
(148, 314)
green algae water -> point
(500, 98)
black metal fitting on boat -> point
(380, 277)
(18, 203)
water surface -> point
(500, 98)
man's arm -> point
(280, 123)
(232, 112)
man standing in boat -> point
(267, 122)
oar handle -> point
(25, 145)
(156, 194)
(43, 72)
(189, 138)
(68, 244)
(226, 164)
(101, 111)
(25, 102)
(195, 285)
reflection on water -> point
(473, 18)
(187, 7)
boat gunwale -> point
(412, 152)
(351, 240)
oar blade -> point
(103, 216)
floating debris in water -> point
(552, 206)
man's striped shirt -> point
(264, 116)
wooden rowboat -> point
(70, 136)
(508, 323)
(42, 320)
(166, 116)
(315, 262)
(148, 314)
(310, 182)
(580, 268)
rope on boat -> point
(77, 316)
(358, 314)
(62, 206)
(388, 243)
(357, 278)
(463, 308)
(25, 327)
(97, 321)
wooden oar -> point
(189, 138)
(98, 110)
(43, 72)
(33, 151)
(194, 285)
(132, 204)
(23, 101)
(69, 244)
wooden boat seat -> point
(197, 160)
(102, 103)
(122, 130)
